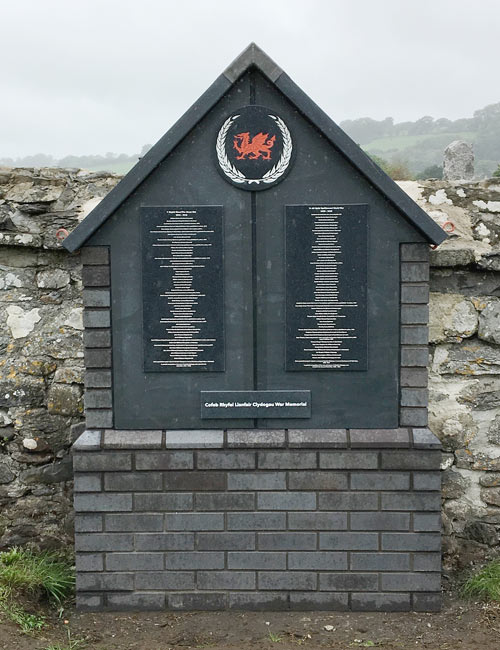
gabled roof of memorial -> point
(254, 58)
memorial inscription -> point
(326, 278)
(183, 288)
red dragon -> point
(259, 145)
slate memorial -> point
(256, 307)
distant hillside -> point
(421, 144)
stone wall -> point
(41, 353)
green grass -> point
(14, 612)
(485, 584)
(72, 644)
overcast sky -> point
(92, 76)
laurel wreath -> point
(238, 177)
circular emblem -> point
(254, 148)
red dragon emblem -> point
(259, 145)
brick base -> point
(258, 520)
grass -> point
(275, 638)
(485, 584)
(72, 643)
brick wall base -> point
(258, 520)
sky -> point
(97, 76)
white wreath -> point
(238, 177)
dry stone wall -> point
(41, 353)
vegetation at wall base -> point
(485, 584)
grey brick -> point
(104, 542)
(380, 561)
(98, 379)
(414, 252)
(317, 560)
(414, 335)
(287, 459)
(348, 581)
(89, 602)
(226, 580)
(286, 501)
(411, 501)
(195, 521)
(411, 542)
(427, 602)
(87, 441)
(225, 501)
(95, 255)
(97, 357)
(320, 601)
(97, 338)
(414, 377)
(413, 417)
(149, 580)
(414, 314)
(380, 602)
(347, 501)
(414, 397)
(164, 542)
(103, 502)
(88, 523)
(89, 562)
(417, 293)
(348, 541)
(427, 562)
(253, 438)
(414, 272)
(100, 318)
(197, 601)
(195, 560)
(317, 520)
(286, 541)
(410, 460)
(104, 581)
(225, 541)
(320, 438)
(171, 501)
(256, 520)
(195, 481)
(165, 460)
(119, 439)
(349, 460)
(380, 481)
(226, 460)
(136, 602)
(256, 560)
(134, 523)
(427, 481)
(380, 521)
(134, 561)
(99, 418)
(248, 601)
(96, 297)
(317, 480)
(425, 439)
(289, 580)
(88, 482)
(379, 438)
(414, 356)
(427, 522)
(256, 481)
(133, 481)
(411, 581)
(95, 276)
(98, 398)
(194, 439)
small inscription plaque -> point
(326, 278)
(217, 404)
(183, 288)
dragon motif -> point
(259, 145)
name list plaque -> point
(326, 279)
(183, 288)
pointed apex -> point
(253, 56)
